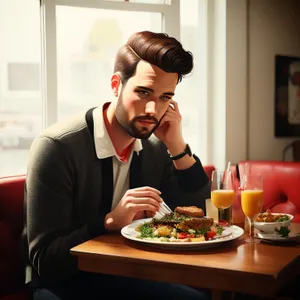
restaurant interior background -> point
(227, 103)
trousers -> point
(100, 286)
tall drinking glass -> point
(222, 191)
(252, 198)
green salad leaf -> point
(146, 230)
(283, 218)
(283, 231)
(220, 229)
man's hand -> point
(169, 129)
(133, 205)
(169, 132)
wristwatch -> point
(187, 151)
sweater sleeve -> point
(186, 178)
(50, 184)
(185, 187)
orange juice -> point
(252, 201)
(222, 198)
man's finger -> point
(136, 201)
(147, 188)
(145, 194)
(149, 214)
(175, 105)
(147, 207)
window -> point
(20, 96)
(78, 62)
(85, 52)
(86, 49)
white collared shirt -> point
(104, 148)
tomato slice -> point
(210, 234)
(190, 235)
(182, 235)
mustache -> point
(146, 118)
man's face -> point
(144, 99)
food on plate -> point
(195, 223)
(269, 217)
(192, 211)
(185, 224)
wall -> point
(273, 28)
(236, 81)
(243, 37)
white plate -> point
(230, 233)
(277, 237)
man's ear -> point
(116, 84)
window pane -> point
(20, 97)
(23, 77)
(86, 50)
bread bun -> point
(191, 211)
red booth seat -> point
(12, 286)
(281, 183)
(208, 170)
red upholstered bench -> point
(12, 281)
(208, 170)
(281, 185)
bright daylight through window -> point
(20, 95)
(85, 53)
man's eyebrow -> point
(150, 90)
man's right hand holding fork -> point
(136, 203)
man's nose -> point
(150, 108)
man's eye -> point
(142, 93)
(165, 98)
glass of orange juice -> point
(222, 190)
(252, 198)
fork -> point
(164, 209)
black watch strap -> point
(187, 151)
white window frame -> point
(225, 81)
(170, 24)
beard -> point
(130, 126)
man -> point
(100, 170)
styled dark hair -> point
(158, 49)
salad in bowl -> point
(277, 223)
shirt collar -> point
(103, 144)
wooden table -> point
(258, 269)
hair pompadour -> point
(158, 49)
